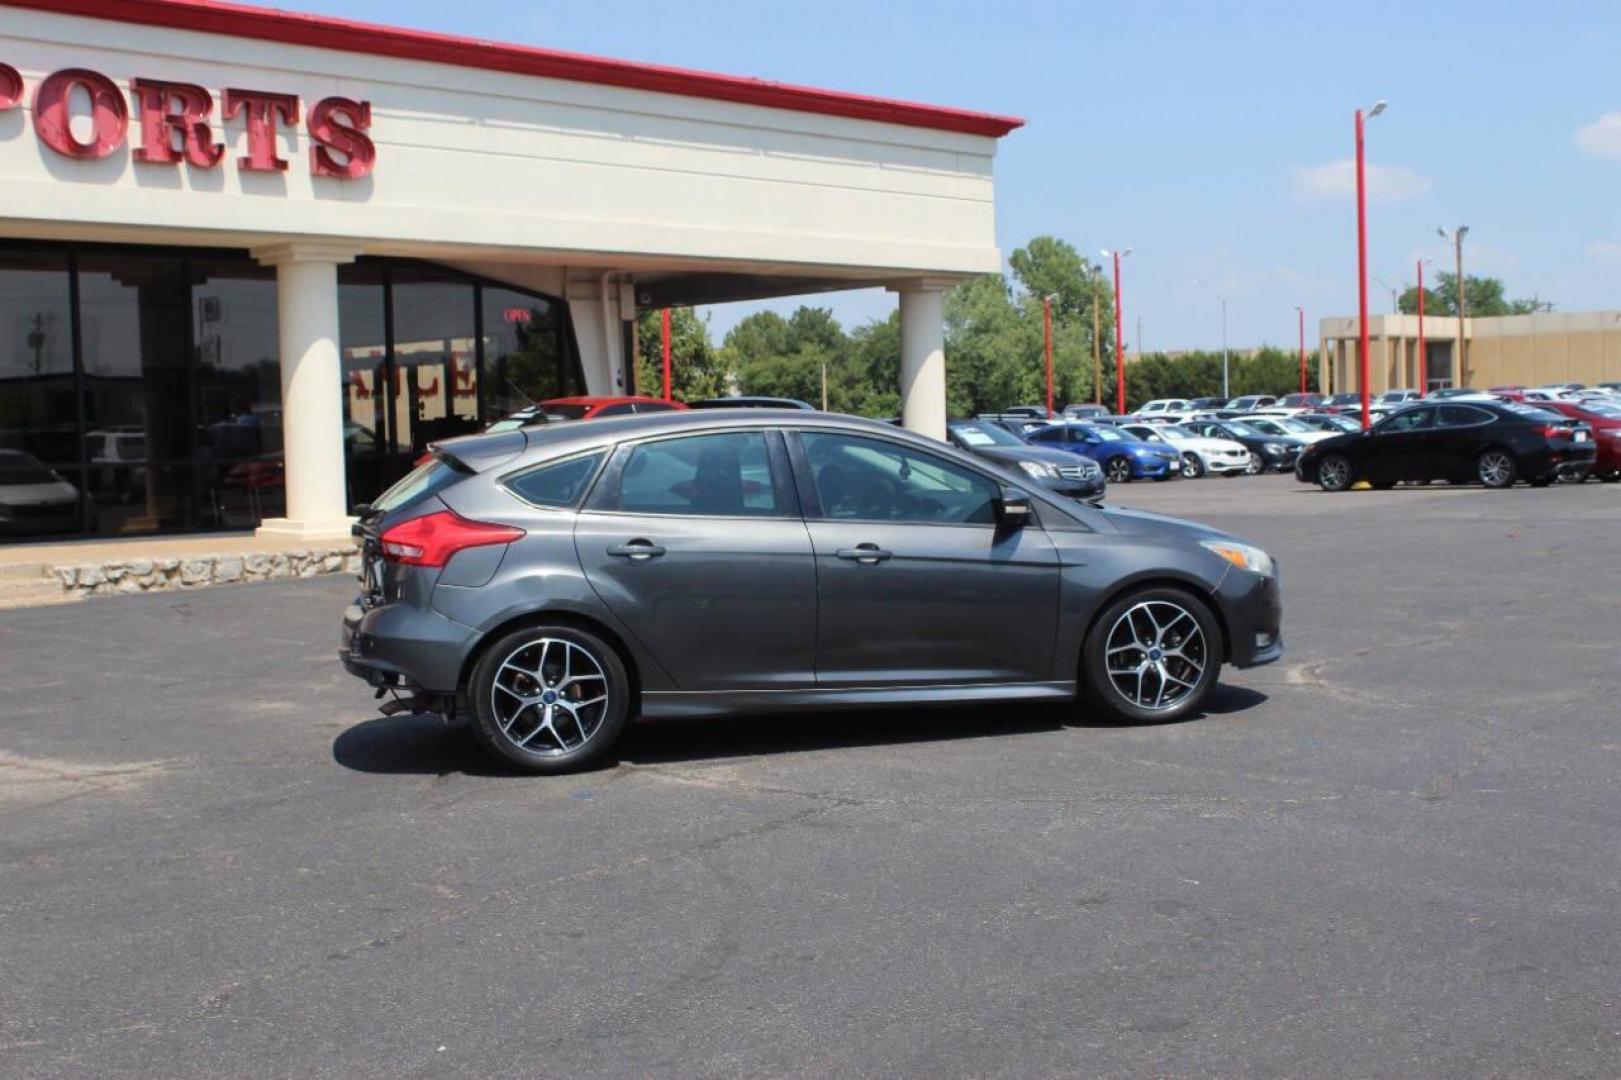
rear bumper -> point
(1252, 608)
(399, 646)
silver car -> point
(555, 582)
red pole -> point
(1362, 270)
(1302, 313)
(1119, 345)
(1047, 338)
(664, 345)
(1423, 360)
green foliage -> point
(1198, 374)
(781, 357)
(696, 368)
(1484, 296)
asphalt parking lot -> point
(1395, 853)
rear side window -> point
(1463, 416)
(557, 484)
(720, 475)
(429, 478)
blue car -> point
(1122, 457)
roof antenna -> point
(540, 413)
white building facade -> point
(252, 262)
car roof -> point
(601, 399)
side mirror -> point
(1013, 508)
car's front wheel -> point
(1153, 656)
(1192, 467)
(549, 699)
(1334, 473)
(1256, 466)
(1118, 470)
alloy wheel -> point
(1334, 474)
(1256, 466)
(1496, 469)
(1119, 470)
(1155, 654)
(549, 696)
(1192, 467)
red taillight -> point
(432, 539)
(1555, 431)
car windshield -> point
(558, 411)
(1599, 408)
(1238, 427)
(1175, 431)
(1293, 425)
(984, 435)
(1108, 434)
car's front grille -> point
(1078, 472)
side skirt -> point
(671, 704)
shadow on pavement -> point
(423, 744)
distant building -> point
(1526, 350)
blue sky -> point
(1209, 138)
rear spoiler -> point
(480, 453)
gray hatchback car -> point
(554, 582)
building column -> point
(311, 390)
(923, 355)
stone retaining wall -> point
(198, 571)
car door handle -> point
(865, 554)
(637, 550)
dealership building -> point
(1508, 350)
(252, 262)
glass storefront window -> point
(435, 357)
(524, 355)
(172, 418)
(40, 484)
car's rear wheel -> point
(1256, 466)
(1334, 473)
(1496, 468)
(1153, 656)
(549, 699)
(1118, 470)
(1192, 467)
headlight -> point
(1039, 470)
(1276, 449)
(1245, 555)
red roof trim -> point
(269, 24)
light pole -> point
(1300, 311)
(1119, 334)
(1423, 354)
(664, 348)
(1097, 352)
(1455, 237)
(1047, 344)
(1395, 302)
(1362, 259)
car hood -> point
(1212, 445)
(1025, 453)
(1148, 523)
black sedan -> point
(1490, 442)
(1064, 474)
(1267, 452)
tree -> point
(696, 368)
(1485, 296)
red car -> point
(1606, 423)
(585, 407)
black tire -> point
(1334, 473)
(1256, 465)
(1103, 693)
(1192, 467)
(1382, 485)
(1496, 468)
(600, 726)
(1117, 470)
(1541, 481)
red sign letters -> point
(175, 123)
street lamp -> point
(664, 348)
(1423, 353)
(1301, 312)
(1226, 390)
(1395, 301)
(1047, 343)
(1362, 257)
(1119, 334)
(1455, 238)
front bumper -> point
(1252, 608)
(1085, 490)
